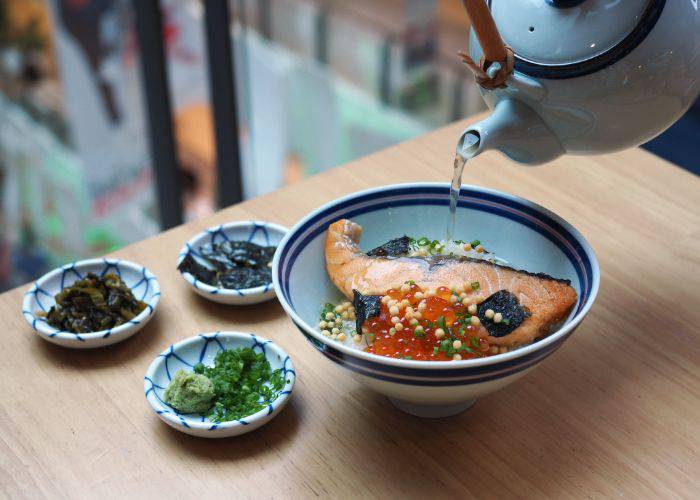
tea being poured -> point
(466, 149)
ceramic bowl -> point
(525, 234)
(261, 233)
(40, 298)
(202, 349)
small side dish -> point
(219, 384)
(91, 303)
(231, 263)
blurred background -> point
(317, 83)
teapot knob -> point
(564, 4)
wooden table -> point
(616, 411)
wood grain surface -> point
(614, 412)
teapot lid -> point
(568, 38)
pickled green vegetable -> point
(94, 303)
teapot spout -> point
(514, 129)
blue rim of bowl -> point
(42, 326)
(219, 232)
(439, 373)
(184, 419)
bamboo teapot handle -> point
(495, 50)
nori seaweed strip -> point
(202, 273)
(393, 248)
(366, 306)
(507, 304)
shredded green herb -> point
(327, 308)
(475, 342)
(243, 382)
(475, 243)
(447, 347)
(475, 285)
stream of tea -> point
(465, 150)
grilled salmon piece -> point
(546, 301)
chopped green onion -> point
(327, 308)
(475, 285)
(446, 345)
(475, 243)
(436, 350)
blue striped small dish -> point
(202, 349)
(258, 232)
(527, 235)
(40, 298)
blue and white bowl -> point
(202, 349)
(40, 298)
(527, 235)
(261, 233)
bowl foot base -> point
(432, 411)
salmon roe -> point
(423, 326)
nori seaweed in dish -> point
(507, 304)
(393, 248)
(231, 264)
(366, 306)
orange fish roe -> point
(423, 326)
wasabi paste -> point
(190, 392)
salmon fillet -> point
(547, 299)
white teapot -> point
(590, 76)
